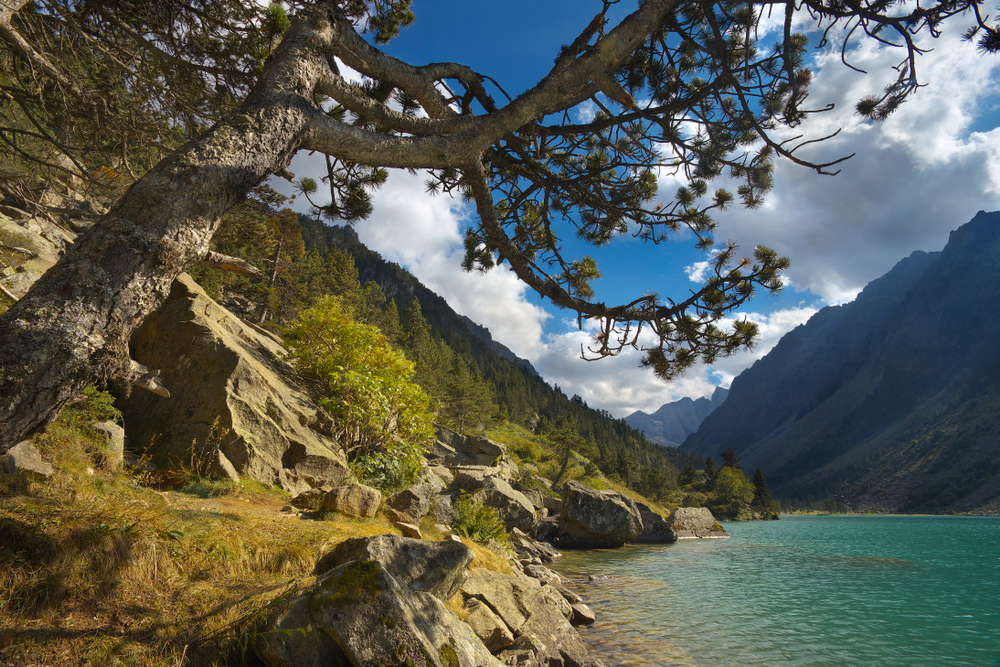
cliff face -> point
(674, 422)
(890, 401)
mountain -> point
(891, 402)
(674, 422)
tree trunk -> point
(73, 328)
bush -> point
(367, 386)
(477, 521)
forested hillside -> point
(888, 402)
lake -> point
(842, 591)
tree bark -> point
(73, 328)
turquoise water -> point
(803, 591)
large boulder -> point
(354, 500)
(374, 620)
(695, 522)
(596, 519)
(234, 375)
(412, 504)
(516, 510)
(655, 529)
(438, 568)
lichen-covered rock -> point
(452, 449)
(596, 519)
(555, 641)
(506, 595)
(24, 459)
(113, 453)
(516, 510)
(438, 568)
(354, 500)
(410, 505)
(291, 639)
(226, 372)
(526, 547)
(695, 522)
(375, 620)
(488, 627)
(655, 529)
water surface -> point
(803, 591)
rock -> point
(516, 510)
(595, 519)
(312, 499)
(546, 529)
(375, 620)
(220, 368)
(543, 574)
(488, 627)
(441, 508)
(454, 538)
(452, 449)
(410, 505)
(655, 529)
(354, 500)
(506, 595)
(529, 548)
(291, 639)
(114, 444)
(472, 478)
(695, 522)
(553, 505)
(554, 639)
(582, 614)
(24, 459)
(438, 568)
(535, 497)
(408, 529)
(443, 474)
(568, 595)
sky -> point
(915, 177)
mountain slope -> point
(889, 402)
(675, 421)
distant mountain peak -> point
(673, 422)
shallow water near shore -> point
(864, 591)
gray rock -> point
(596, 519)
(568, 595)
(452, 449)
(536, 497)
(488, 627)
(506, 595)
(220, 368)
(312, 499)
(438, 568)
(355, 500)
(24, 459)
(526, 547)
(543, 574)
(114, 444)
(549, 624)
(410, 505)
(695, 522)
(582, 615)
(516, 510)
(655, 529)
(377, 621)
(291, 639)
(553, 505)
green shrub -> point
(477, 521)
(381, 416)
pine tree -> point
(761, 494)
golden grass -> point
(97, 570)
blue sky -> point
(914, 178)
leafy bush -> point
(477, 521)
(390, 472)
(381, 416)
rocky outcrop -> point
(655, 529)
(596, 519)
(224, 372)
(516, 510)
(451, 449)
(113, 450)
(695, 522)
(531, 549)
(373, 620)
(423, 566)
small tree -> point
(711, 473)
(730, 459)
(381, 415)
(733, 491)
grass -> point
(97, 569)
